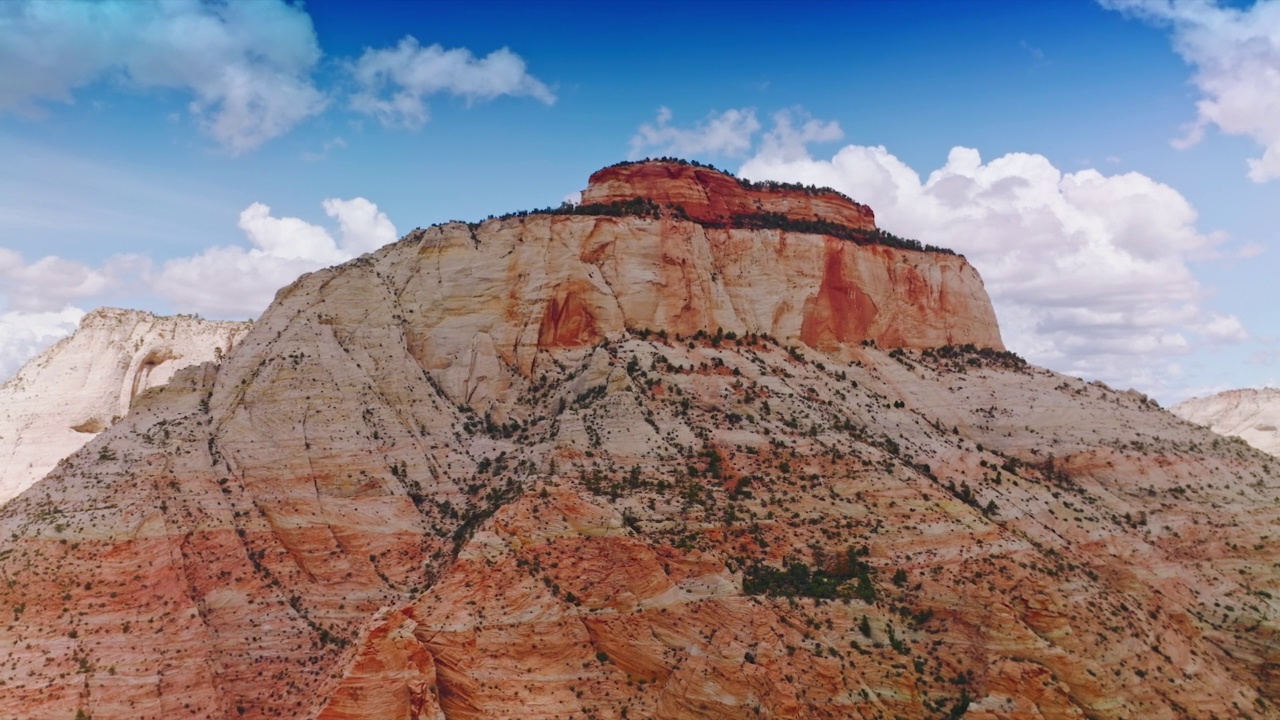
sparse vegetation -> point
(797, 579)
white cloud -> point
(36, 297)
(786, 142)
(1088, 272)
(394, 82)
(287, 238)
(1223, 329)
(228, 281)
(246, 64)
(363, 227)
(727, 133)
(234, 281)
(1236, 54)
(24, 334)
(46, 284)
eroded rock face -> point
(62, 398)
(498, 294)
(404, 497)
(1252, 415)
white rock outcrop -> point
(68, 394)
(1252, 415)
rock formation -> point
(574, 466)
(707, 195)
(1251, 415)
(76, 389)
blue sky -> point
(1091, 159)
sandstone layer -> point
(76, 389)
(708, 195)
(1249, 414)
(494, 296)
(435, 483)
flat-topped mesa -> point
(710, 196)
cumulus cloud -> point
(1236, 55)
(362, 227)
(48, 283)
(235, 281)
(788, 141)
(727, 133)
(1222, 329)
(24, 334)
(393, 83)
(37, 299)
(1088, 272)
(246, 65)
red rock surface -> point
(483, 302)
(708, 195)
(407, 495)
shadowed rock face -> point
(457, 478)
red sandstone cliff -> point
(708, 195)
(504, 292)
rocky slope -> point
(564, 466)
(1252, 415)
(76, 389)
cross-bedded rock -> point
(575, 466)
